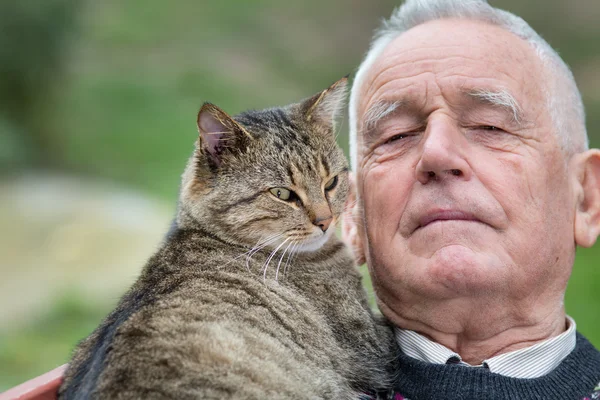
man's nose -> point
(442, 154)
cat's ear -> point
(324, 107)
(219, 132)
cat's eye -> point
(331, 183)
(282, 193)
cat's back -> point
(207, 320)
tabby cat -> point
(251, 295)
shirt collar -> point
(527, 363)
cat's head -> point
(275, 175)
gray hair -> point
(563, 100)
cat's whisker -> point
(281, 259)
(254, 248)
(355, 219)
(235, 258)
(262, 243)
(290, 256)
(338, 129)
(271, 257)
(349, 205)
(351, 202)
(259, 246)
(294, 253)
(349, 215)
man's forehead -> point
(479, 49)
(482, 36)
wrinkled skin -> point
(463, 208)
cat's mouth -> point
(300, 241)
(313, 241)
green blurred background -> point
(97, 118)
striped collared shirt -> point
(529, 362)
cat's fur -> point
(207, 318)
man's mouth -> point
(445, 215)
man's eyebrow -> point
(377, 112)
(498, 98)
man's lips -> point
(445, 215)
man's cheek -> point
(517, 182)
(377, 197)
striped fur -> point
(215, 314)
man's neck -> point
(478, 339)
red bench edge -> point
(43, 387)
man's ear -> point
(587, 214)
(351, 224)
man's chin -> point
(453, 239)
(460, 269)
(448, 271)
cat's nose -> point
(323, 222)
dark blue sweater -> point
(577, 377)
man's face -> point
(463, 197)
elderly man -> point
(474, 185)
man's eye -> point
(396, 137)
(490, 128)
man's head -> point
(562, 97)
(473, 180)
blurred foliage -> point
(33, 41)
(48, 342)
(111, 88)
